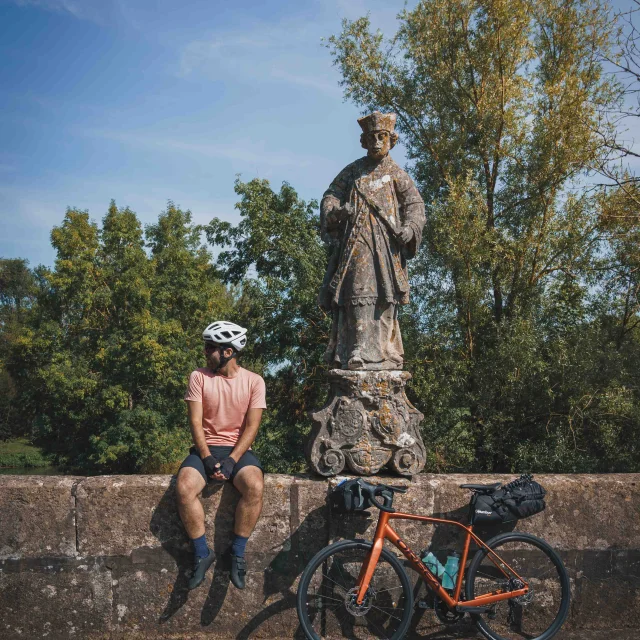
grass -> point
(19, 453)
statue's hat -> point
(377, 121)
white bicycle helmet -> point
(226, 333)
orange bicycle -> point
(515, 586)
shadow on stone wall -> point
(113, 558)
(283, 570)
(179, 550)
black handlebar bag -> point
(351, 496)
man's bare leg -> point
(249, 482)
(189, 486)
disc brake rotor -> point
(356, 609)
(522, 600)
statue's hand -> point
(346, 211)
(405, 235)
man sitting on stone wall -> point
(225, 404)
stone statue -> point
(372, 216)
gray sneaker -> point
(200, 567)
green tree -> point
(17, 292)
(103, 362)
(500, 104)
(275, 259)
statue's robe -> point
(367, 275)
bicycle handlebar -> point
(374, 490)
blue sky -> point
(149, 100)
(145, 101)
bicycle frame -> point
(385, 531)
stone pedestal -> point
(367, 423)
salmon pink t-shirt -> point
(225, 402)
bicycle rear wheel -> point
(327, 592)
(539, 614)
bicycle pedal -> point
(423, 604)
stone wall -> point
(106, 557)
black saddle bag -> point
(490, 509)
(525, 497)
(519, 499)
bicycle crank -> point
(444, 614)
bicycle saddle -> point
(482, 488)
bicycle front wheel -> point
(539, 614)
(326, 600)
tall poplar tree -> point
(500, 106)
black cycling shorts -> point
(248, 459)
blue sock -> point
(200, 547)
(238, 545)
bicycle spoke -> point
(319, 595)
(385, 611)
(338, 564)
(334, 582)
(388, 614)
(390, 589)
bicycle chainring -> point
(444, 614)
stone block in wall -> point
(588, 512)
(577, 508)
(309, 521)
(38, 516)
(154, 602)
(123, 515)
(117, 514)
(56, 602)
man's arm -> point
(246, 439)
(197, 432)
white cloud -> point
(290, 53)
(99, 11)
(307, 81)
(249, 152)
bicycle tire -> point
(302, 596)
(557, 593)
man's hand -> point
(224, 469)
(210, 464)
